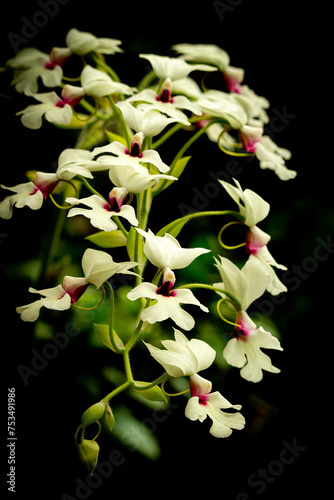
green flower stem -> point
(111, 318)
(167, 135)
(186, 146)
(215, 289)
(169, 228)
(93, 111)
(52, 243)
(192, 139)
(116, 391)
(146, 81)
(127, 367)
(158, 381)
(119, 115)
(121, 227)
(144, 202)
(101, 62)
(89, 187)
(134, 337)
(180, 126)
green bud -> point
(152, 394)
(88, 452)
(93, 414)
(108, 418)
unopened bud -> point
(93, 414)
(88, 452)
(108, 418)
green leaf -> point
(152, 394)
(102, 332)
(134, 434)
(176, 171)
(173, 228)
(115, 137)
(108, 239)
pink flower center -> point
(113, 206)
(135, 151)
(165, 96)
(60, 103)
(166, 289)
(51, 64)
(203, 398)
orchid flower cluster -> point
(120, 131)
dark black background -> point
(278, 45)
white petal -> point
(257, 280)
(99, 84)
(194, 410)
(98, 266)
(176, 364)
(30, 312)
(203, 352)
(147, 290)
(59, 116)
(173, 68)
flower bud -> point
(93, 414)
(108, 418)
(88, 452)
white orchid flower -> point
(255, 209)
(267, 152)
(219, 104)
(246, 284)
(254, 105)
(53, 298)
(244, 350)
(135, 179)
(72, 162)
(165, 102)
(82, 42)
(148, 121)
(166, 301)
(97, 83)
(58, 298)
(273, 157)
(173, 68)
(99, 266)
(204, 403)
(166, 251)
(100, 211)
(251, 205)
(30, 64)
(55, 109)
(203, 53)
(116, 153)
(30, 194)
(183, 357)
(188, 87)
(262, 254)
